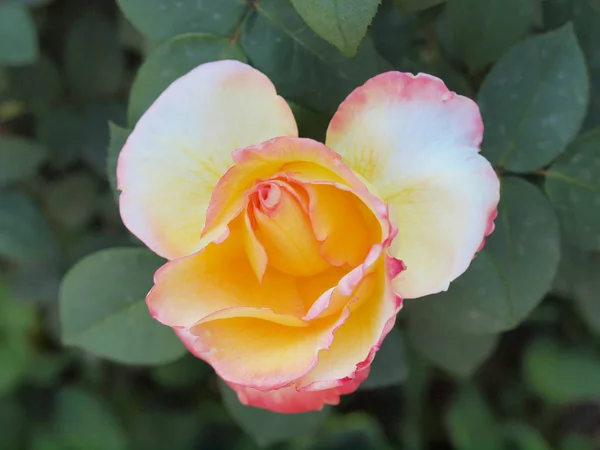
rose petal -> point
(219, 277)
(182, 146)
(261, 354)
(343, 223)
(417, 144)
(288, 400)
(300, 157)
(357, 340)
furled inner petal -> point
(283, 227)
(343, 223)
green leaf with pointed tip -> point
(509, 278)
(534, 100)
(470, 422)
(18, 36)
(483, 30)
(559, 374)
(172, 60)
(103, 308)
(266, 427)
(96, 134)
(304, 68)
(118, 137)
(343, 23)
(163, 19)
(19, 158)
(456, 352)
(573, 185)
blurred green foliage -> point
(507, 358)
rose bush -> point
(289, 259)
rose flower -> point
(288, 259)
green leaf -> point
(163, 429)
(456, 352)
(389, 366)
(187, 371)
(342, 23)
(266, 427)
(561, 375)
(94, 61)
(470, 423)
(353, 431)
(304, 68)
(85, 421)
(46, 272)
(483, 30)
(172, 60)
(524, 437)
(118, 137)
(96, 133)
(508, 279)
(311, 124)
(534, 100)
(573, 185)
(38, 84)
(72, 200)
(18, 36)
(577, 279)
(60, 130)
(102, 308)
(395, 35)
(576, 442)
(16, 321)
(585, 16)
(12, 423)
(19, 158)
(24, 233)
(416, 5)
(163, 19)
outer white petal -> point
(182, 146)
(417, 144)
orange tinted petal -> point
(262, 354)
(357, 340)
(285, 231)
(343, 223)
(219, 277)
(291, 401)
(294, 156)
